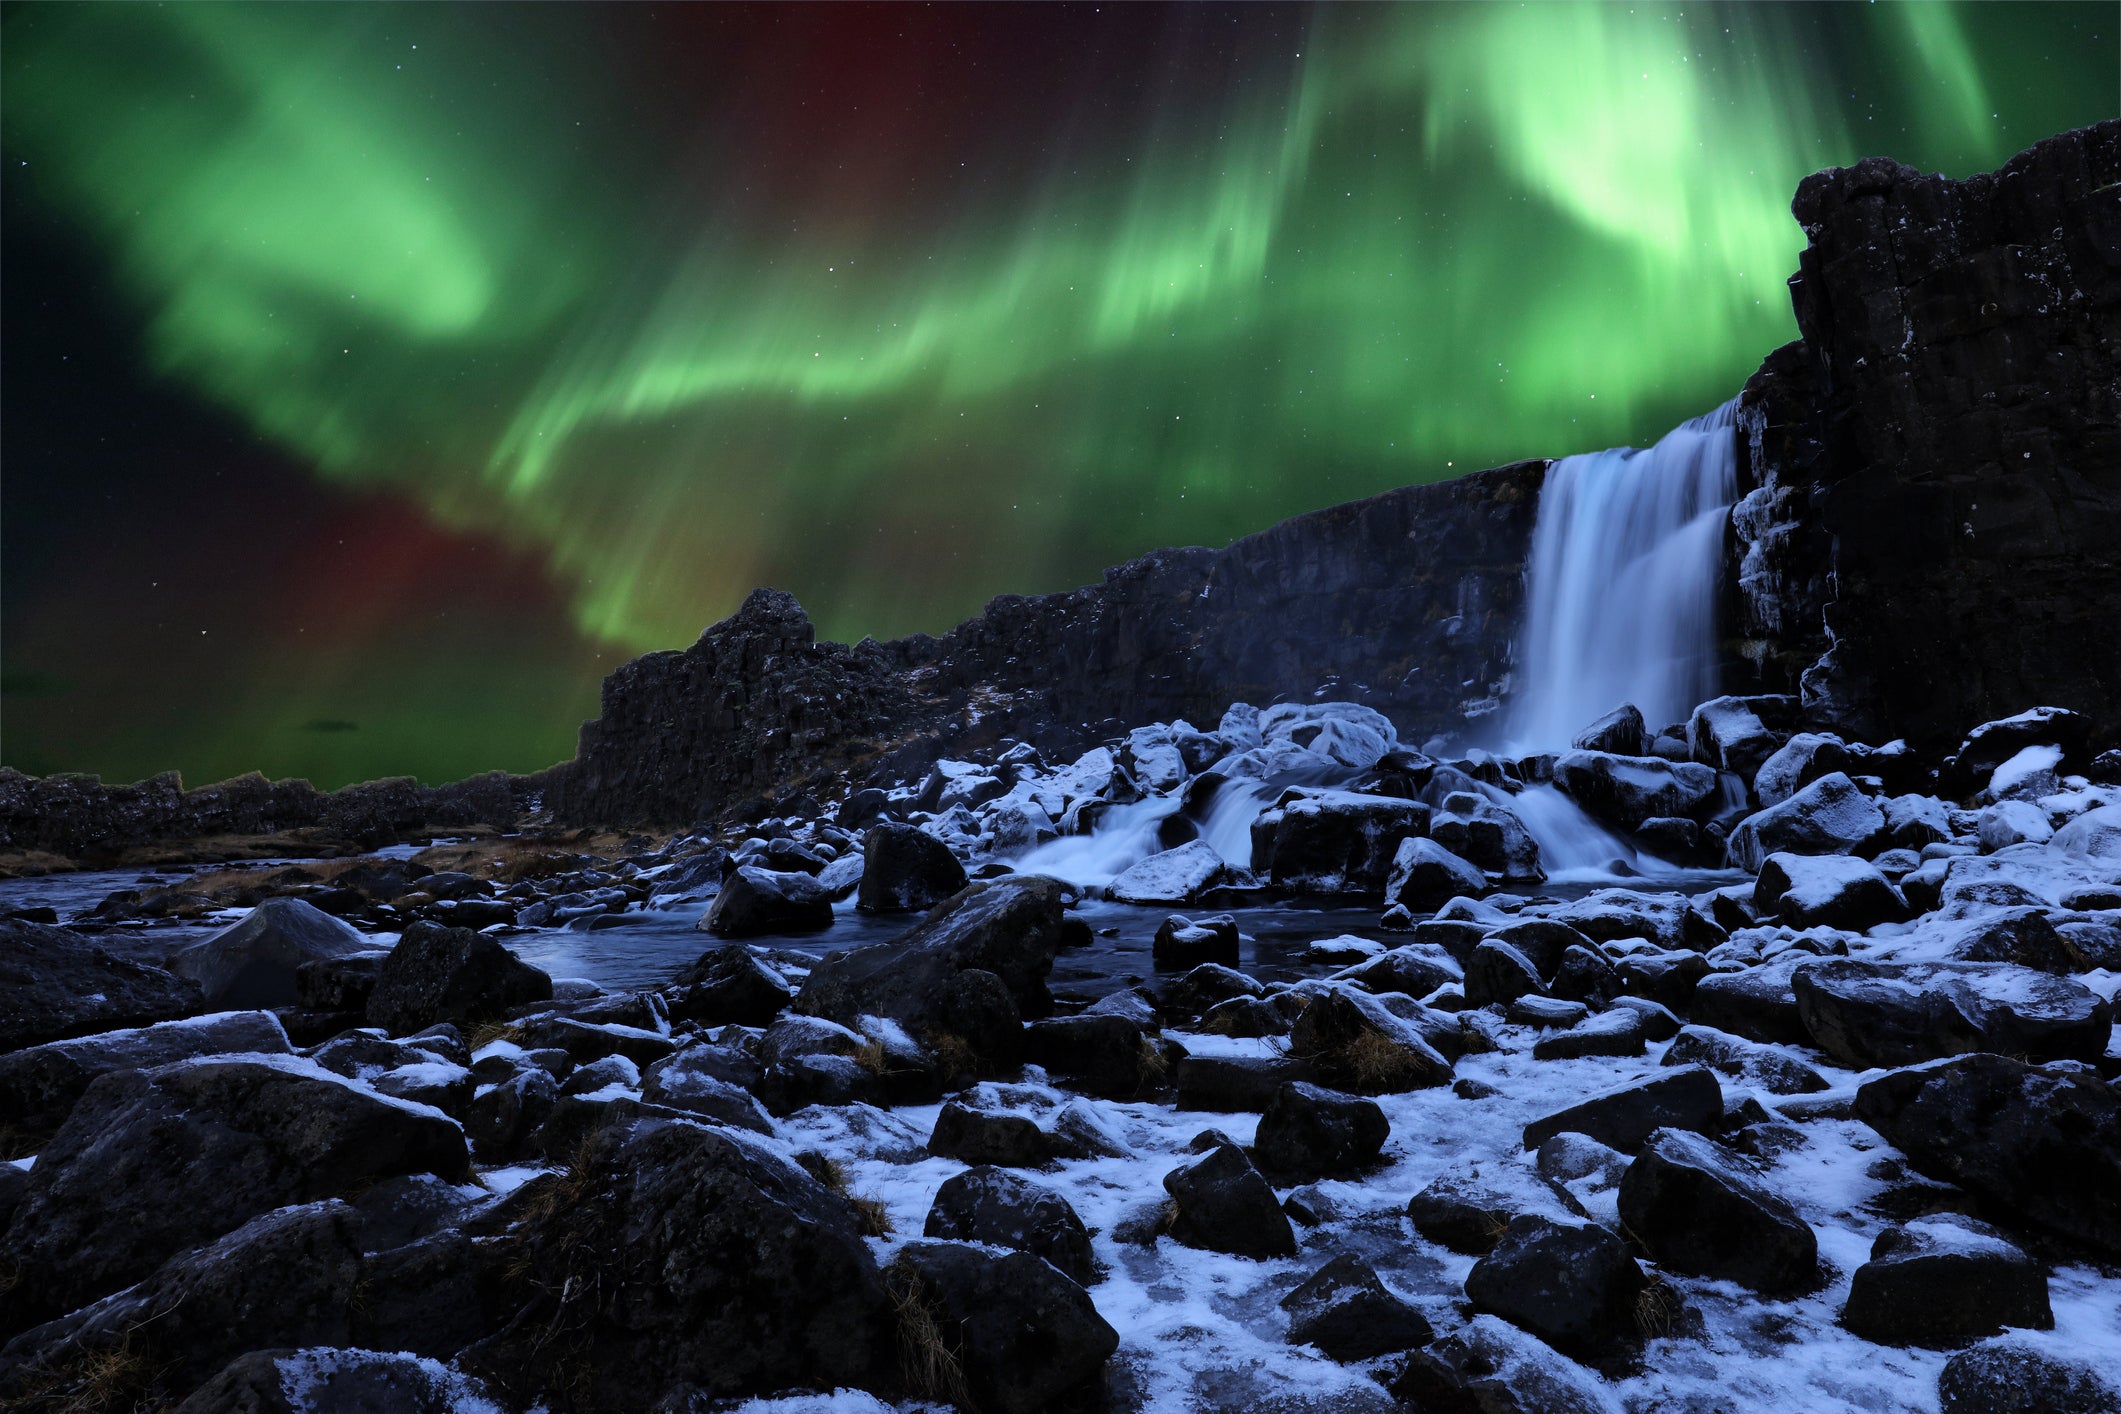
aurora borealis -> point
(378, 377)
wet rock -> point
(1334, 842)
(152, 1162)
(1829, 891)
(1309, 1133)
(1701, 1209)
(283, 1278)
(2043, 1146)
(2011, 1375)
(1491, 1367)
(1726, 733)
(438, 974)
(1774, 1070)
(1100, 1055)
(1020, 1338)
(905, 869)
(1347, 1314)
(1571, 1284)
(1829, 816)
(1181, 943)
(1872, 1013)
(741, 1275)
(728, 986)
(504, 1117)
(1355, 1041)
(1236, 1084)
(1486, 835)
(1178, 875)
(1002, 1209)
(1627, 790)
(1469, 1215)
(39, 1085)
(1945, 1280)
(1425, 876)
(1622, 1118)
(253, 963)
(1221, 1203)
(1612, 1033)
(978, 1136)
(1620, 732)
(754, 902)
(325, 1381)
(54, 984)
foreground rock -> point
(1346, 1312)
(1220, 1202)
(253, 963)
(756, 901)
(992, 1205)
(1571, 1284)
(1688, 1098)
(1310, 1133)
(1944, 1280)
(326, 1381)
(1008, 1334)
(905, 870)
(152, 1162)
(39, 1086)
(1881, 1014)
(55, 984)
(437, 974)
(1699, 1208)
(2013, 1376)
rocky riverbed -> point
(1279, 1065)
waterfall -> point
(1622, 583)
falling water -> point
(1622, 583)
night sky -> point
(377, 378)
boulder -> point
(2042, 1146)
(757, 902)
(1944, 1280)
(1425, 876)
(1002, 1209)
(1100, 1055)
(1309, 1133)
(2012, 822)
(1992, 743)
(1701, 1209)
(1334, 842)
(152, 1162)
(1230, 1084)
(1771, 1068)
(437, 974)
(1802, 759)
(1620, 732)
(1627, 790)
(1221, 1203)
(1344, 1311)
(1010, 1334)
(1469, 1215)
(1622, 1118)
(1826, 891)
(1726, 733)
(1758, 1003)
(1355, 1041)
(1914, 821)
(906, 870)
(2096, 834)
(2011, 1375)
(1829, 816)
(679, 1252)
(1178, 875)
(1488, 836)
(505, 1116)
(326, 1381)
(55, 984)
(1181, 944)
(988, 1137)
(1619, 1032)
(1571, 1284)
(1498, 974)
(728, 986)
(252, 964)
(284, 1278)
(39, 1085)
(709, 1082)
(1489, 1366)
(1416, 969)
(1883, 1014)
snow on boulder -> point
(2096, 834)
(252, 964)
(1992, 743)
(1627, 790)
(2013, 822)
(1802, 759)
(1944, 1279)
(2026, 776)
(1334, 842)
(1425, 876)
(1829, 816)
(1829, 890)
(1726, 733)
(1622, 732)
(1876, 1013)
(1175, 876)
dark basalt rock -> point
(1233, 1084)
(1221, 1203)
(1571, 1284)
(1337, 843)
(1003, 1209)
(906, 870)
(1771, 1068)
(39, 1085)
(1346, 1312)
(1181, 943)
(1944, 1280)
(2012, 1376)
(1100, 1055)
(1700, 1209)
(756, 901)
(727, 986)
(987, 1137)
(152, 1162)
(1309, 1133)
(1021, 1338)
(2042, 1146)
(438, 974)
(324, 1381)
(1623, 1118)
(1425, 876)
(55, 984)
(1627, 790)
(253, 963)
(1469, 1216)
(1872, 1013)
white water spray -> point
(1622, 583)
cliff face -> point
(1935, 535)
(1405, 601)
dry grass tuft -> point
(487, 1032)
(1375, 1062)
(1657, 1308)
(1153, 1065)
(954, 1056)
(824, 1168)
(870, 1057)
(927, 1361)
(108, 1379)
(874, 1217)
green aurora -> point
(669, 342)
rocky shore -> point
(1011, 1038)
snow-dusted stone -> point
(1622, 1118)
(2026, 776)
(1354, 1040)
(1545, 1012)
(1699, 1208)
(756, 901)
(981, 1136)
(1236, 1084)
(1175, 876)
(1487, 835)
(1610, 915)
(1003, 1209)
(1425, 876)
(1871, 1013)
(1497, 973)
(1627, 790)
(1584, 975)
(1620, 732)
(2041, 1145)
(1181, 943)
(438, 974)
(1775, 1069)
(285, 1278)
(152, 1162)
(1026, 1338)
(1992, 743)
(1469, 1214)
(585, 1041)
(1102, 1055)
(1541, 941)
(2012, 822)
(39, 1085)
(1618, 1032)
(906, 870)
(504, 1117)
(1725, 732)
(1207, 983)
(708, 1081)
(1224, 1205)
(1491, 1366)
(727, 986)
(1826, 890)
(1829, 816)
(252, 963)
(1572, 1284)
(2096, 834)
(2012, 1375)
(1309, 1133)
(1334, 842)
(1347, 1314)
(1912, 821)
(1802, 759)
(1944, 1280)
